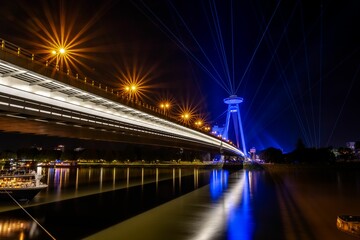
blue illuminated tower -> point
(233, 110)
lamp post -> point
(165, 106)
(199, 123)
(186, 117)
(58, 54)
(131, 89)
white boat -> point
(21, 185)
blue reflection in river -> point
(231, 209)
(240, 221)
(218, 183)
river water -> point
(187, 203)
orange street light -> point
(207, 128)
(186, 117)
(199, 123)
(165, 106)
(62, 50)
(131, 89)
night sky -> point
(295, 63)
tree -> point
(300, 144)
(7, 154)
(271, 154)
(357, 145)
(28, 153)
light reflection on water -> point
(223, 210)
(92, 183)
(67, 183)
(250, 205)
(229, 211)
(218, 183)
(220, 210)
(241, 205)
(230, 214)
(240, 222)
(17, 228)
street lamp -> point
(198, 123)
(186, 117)
(62, 51)
(165, 106)
(131, 89)
(59, 54)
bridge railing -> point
(48, 67)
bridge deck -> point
(47, 98)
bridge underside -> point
(29, 125)
(15, 120)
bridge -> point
(38, 98)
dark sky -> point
(295, 63)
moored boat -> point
(349, 224)
(20, 185)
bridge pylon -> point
(234, 110)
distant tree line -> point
(302, 154)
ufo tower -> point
(234, 111)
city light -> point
(131, 88)
(187, 113)
(63, 39)
(199, 123)
(62, 50)
(185, 116)
(165, 106)
(134, 79)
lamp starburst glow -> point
(134, 81)
(61, 37)
(132, 89)
(199, 123)
(62, 50)
(186, 116)
(165, 106)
